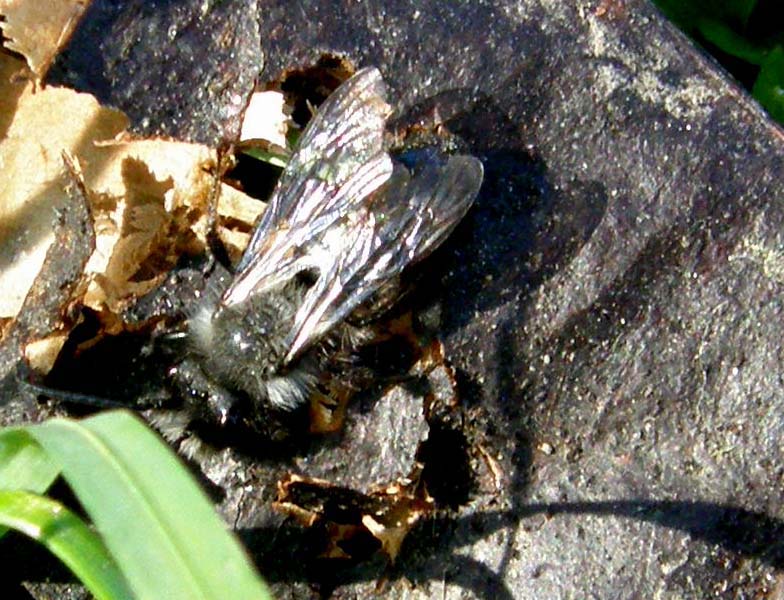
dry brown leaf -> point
(151, 206)
(41, 354)
(39, 29)
(149, 198)
(150, 203)
(406, 502)
(39, 127)
(12, 85)
(236, 208)
(388, 513)
(390, 536)
(264, 118)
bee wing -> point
(340, 160)
(400, 225)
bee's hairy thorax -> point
(242, 347)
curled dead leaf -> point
(34, 174)
(39, 30)
(150, 200)
(387, 513)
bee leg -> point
(204, 399)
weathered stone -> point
(616, 293)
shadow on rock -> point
(430, 552)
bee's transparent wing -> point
(340, 160)
(401, 224)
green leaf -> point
(688, 13)
(24, 465)
(738, 10)
(725, 38)
(275, 159)
(769, 86)
(153, 517)
(68, 538)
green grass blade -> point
(68, 538)
(273, 158)
(153, 517)
(24, 465)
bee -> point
(342, 224)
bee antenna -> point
(23, 379)
(72, 397)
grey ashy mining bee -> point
(342, 224)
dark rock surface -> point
(181, 69)
(613, 304)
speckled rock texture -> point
(612, 306)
